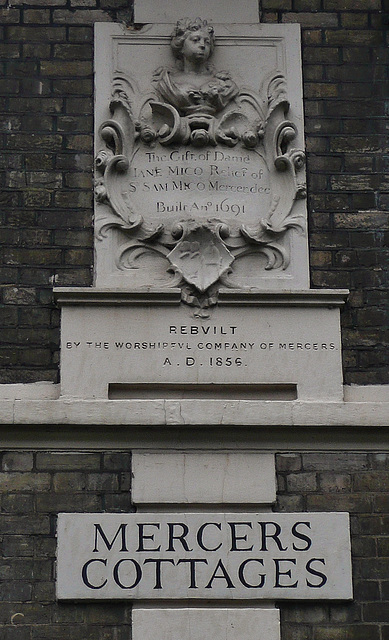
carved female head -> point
(193, 39)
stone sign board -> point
(205, 556)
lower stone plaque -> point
(204, 556)
(259, 346)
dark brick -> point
(69, 68)
(55, 502)
(288, 462)
(33, 141)
(363, 547)
(72, 51)
(376, 612)
(277, 4)
(36, 16)
(117, 461)
(301, 482)
(9, 16)
(311, 19)
(80, 34)
(321, 55)
(118, 502)
(368, 220)
(81, 16)
(367, 590)
(17, 525)
(67, 461)
(75, 162)
(8, 50)
(355, 503)
(36, 34)
(354, 20)
(350, 5)
(81, 86)
(350, 632)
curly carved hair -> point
(182, 30)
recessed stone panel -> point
(197, 624)
(203, 478)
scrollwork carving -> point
(194, 106)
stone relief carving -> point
(199, 119)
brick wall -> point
(357, 483)
(46, 125)
(34, 487)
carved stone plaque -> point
(200, 180)
(204, 556)
(144, 345)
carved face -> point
(197, 46)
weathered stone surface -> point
(127, 352)
(203, 478)
(217, 11)
(194, 624)
(180, 556)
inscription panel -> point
(200, 184)
(204, 556)
(143, 345)
(199, 154)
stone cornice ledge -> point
(193, 413)
(96, 296)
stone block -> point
(218, 11)
(196, 624)
(203, 478)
